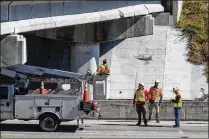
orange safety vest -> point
(155, 94)
(104, 69)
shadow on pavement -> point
(139, 126)
(35, 128)
(196, 123)
(111, 124)
(122, 121)
(151, 125)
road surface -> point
(106, 129)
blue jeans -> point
(177, 116)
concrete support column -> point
(176, 10)
(174, 7)
(93, 64)
(13, 50)
(85, 56)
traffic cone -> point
(42, 88)
(85, 94)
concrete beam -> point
(18, 17)
(23, 10)
(102, 31)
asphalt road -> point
(106, 129)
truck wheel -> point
(48, 123)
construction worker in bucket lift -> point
(140, 97)
(177, 103)
(155, 100)
(104, 68)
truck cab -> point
(7, 101)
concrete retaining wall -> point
(168, 64)
(123, 109)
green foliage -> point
(194, 25)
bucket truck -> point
(64, 102)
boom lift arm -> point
(25, 71)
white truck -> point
(63, 103)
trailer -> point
(62, 103)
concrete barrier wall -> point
(123, 109)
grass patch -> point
(194, 25)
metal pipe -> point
(9, 10)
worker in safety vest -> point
(155, 100)
(177, 103)
(104, 68)
(140, 97)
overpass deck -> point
(88, 16)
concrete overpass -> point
(82, 33)
(102, 20)
(25, 16)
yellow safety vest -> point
(140, 95)
(178, 105)
(107, 69)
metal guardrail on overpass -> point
(26, 25)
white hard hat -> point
(175, 89)
(157, 81)
(142, 84)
